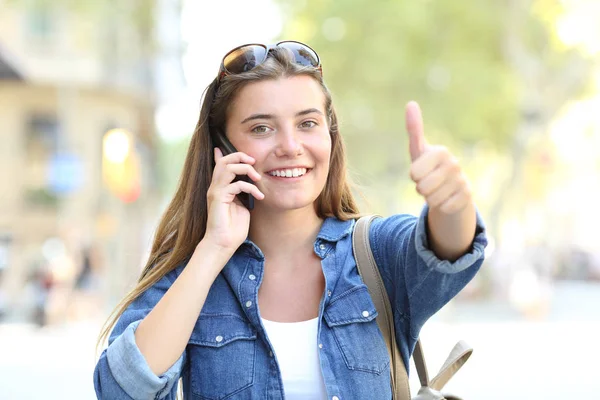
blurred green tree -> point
(489, 76)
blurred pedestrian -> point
(3, 298)
(38, 288)
(85, 297)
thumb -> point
(414, 127)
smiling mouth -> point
(289, 173)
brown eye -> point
(260, 129)
(308, 124)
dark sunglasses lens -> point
(303, 54)
(244, 59)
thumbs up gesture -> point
(436, 172)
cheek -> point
(323, 155)
(322, 146)
(327, 150)
(253, 148)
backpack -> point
(430, 389)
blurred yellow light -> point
(121, 165)
(117, 145)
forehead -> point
(281, 97)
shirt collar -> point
(334, 229)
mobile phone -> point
(221, 141)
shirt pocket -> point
(351, 317)
(221, 352)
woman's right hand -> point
(228, 219)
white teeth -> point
(289, 173)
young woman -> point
(267, 303)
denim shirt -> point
(229, 356)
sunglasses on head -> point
(247, 57)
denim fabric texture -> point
(229, 355)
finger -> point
(244, 169)
(228, 193)
(436, 178)
(234, 158)
(220, 174)
(430, 183)
(242, 186)
(457, 201)
(415, 129)
(428, 162)
(232, 170)
(443, 193)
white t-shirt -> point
(297, 353)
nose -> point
(289, 143)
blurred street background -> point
(98, 101)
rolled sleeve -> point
(131, 371)
(444, 266)
(418, 282)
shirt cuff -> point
(465, 261)
(131, 371)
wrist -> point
(215, 248)
(212, 255)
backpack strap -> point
(367, 268)
(456, 359)
(369, 272)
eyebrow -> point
(271, 116)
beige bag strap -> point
(457, 358)
(419, 359)
(367, 268)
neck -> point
(285, 234)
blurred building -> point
(65, 81)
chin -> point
(283, 204)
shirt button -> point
(365, 314)
(335, 398)
(329, 293)
(252, 277)
(322, 247)
(270, 354)
(248, 304)
(320, 345)
(219, 339)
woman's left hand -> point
(436, 172)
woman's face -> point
(282, 125)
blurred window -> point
(42, 145)
(40, 22)
(5, 243)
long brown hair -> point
(183, 224)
